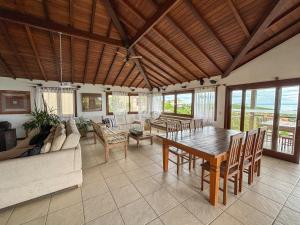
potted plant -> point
(82, 125)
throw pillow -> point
(58, 139)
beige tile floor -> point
(135, 191)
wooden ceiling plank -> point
(119, 73)
(159, 67)
(112, 13)
(94, 5)
(155, 83)
(71, 40)
(208, 28)
(284, 15)
(7, 68)
(161, 35)
(102, 53)
(110, 67)
(130, 85)
(156, 72)
(238, 18)
(13, 48)
(151, 22)
(34, 49)
(43, 24)
(260, 28)
(154, 78)
(163, 61)
(139, 83)
(51, 37)
(127, 75)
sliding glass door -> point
(274, 105)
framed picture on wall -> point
(91, 102)
(15, 102)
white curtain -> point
(59, 101)
(156, 104)
(120, 107)
(143, 103)
(204, 107)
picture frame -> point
(15, 102)
(91, 102)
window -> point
(132, 103)
(178, 103)
(169, 103)
(60, 102)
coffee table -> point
(140, 138)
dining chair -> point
(247, 157)
(172, 129)
(258, 151)
(198, 124)
(229, 168)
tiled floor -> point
(135, 191)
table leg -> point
(165, 156)
(214, 180)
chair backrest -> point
(198, 124)
(259, 146)
(185, 125)
(99, 132)
(249, 145)
(172, 127)
(234, 152)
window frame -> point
(129, 112)
(175, 103)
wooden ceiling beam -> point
(208, 28)
(113, 15)
(94, 5)
(13, 48)
(163, 61)
(118, 74)
(43, 24)
(7, 68)
(51, 37)
(127, 76)
(238, 18)
(158, 33)
(110, 67)
(284, 15)
(260, 28)
(151, 22)
(102, 53)
(159, 67)
(34, 49)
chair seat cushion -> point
(116, 139)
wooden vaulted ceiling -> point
(179, 40)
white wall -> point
(25, 85)
(282, 61)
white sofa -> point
(30, 177)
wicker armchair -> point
(110, 138)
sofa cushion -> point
(47, 143)
(58, 139)
(73, 135)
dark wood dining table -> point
(209, 143)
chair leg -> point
(178, 164)
(250, 175)
(258, 167)
(194, 161)
(190, 162)
(236, 184)
(202, 179)
(126, 148)
(225, 191)
(241, 180)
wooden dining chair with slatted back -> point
(198, 124)
(173, 128)
(247, 157)
(229, 169)
(258, 152)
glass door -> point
(274, 105)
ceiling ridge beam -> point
(239, 18)
(162, 36)
(260, 28)
(34, 49)
(208, 28)
(112, 13)
(94, 5)
(43, 24)
(151, 22)
(127, 75)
